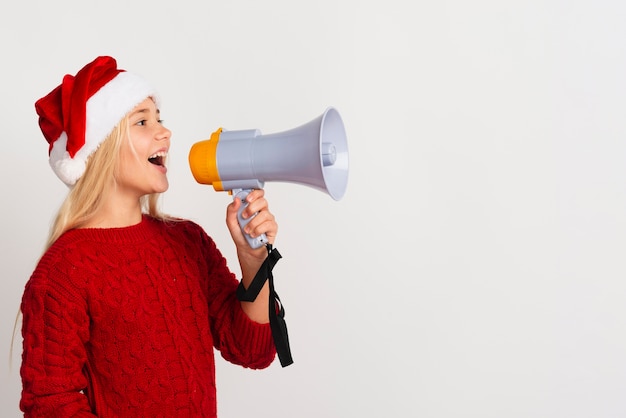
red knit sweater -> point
(122, 323)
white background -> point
(475, 266)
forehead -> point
(147, 105)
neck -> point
(117, 213)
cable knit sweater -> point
(122, 322)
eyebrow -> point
(144, 110)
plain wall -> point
(475, 266)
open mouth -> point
(158, 158)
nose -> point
(163, 133)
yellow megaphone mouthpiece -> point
(203, 161)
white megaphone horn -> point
(314, 154)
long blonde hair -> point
(86, 197)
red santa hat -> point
(79, 114)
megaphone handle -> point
(256, 242)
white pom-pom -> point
(68, 169)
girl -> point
(123, 311)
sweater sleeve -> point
(239, 339)
(55, 329)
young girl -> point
(123, 311)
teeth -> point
(162, 154)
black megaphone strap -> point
(276, 308)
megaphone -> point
(314, 154)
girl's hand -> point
(261, 223)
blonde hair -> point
(85, 198)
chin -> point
(158, 187)
(163, 188)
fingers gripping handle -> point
(255, 242)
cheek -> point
(127, 164)
(129, 154)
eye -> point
(142, 122)
(160, 121)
